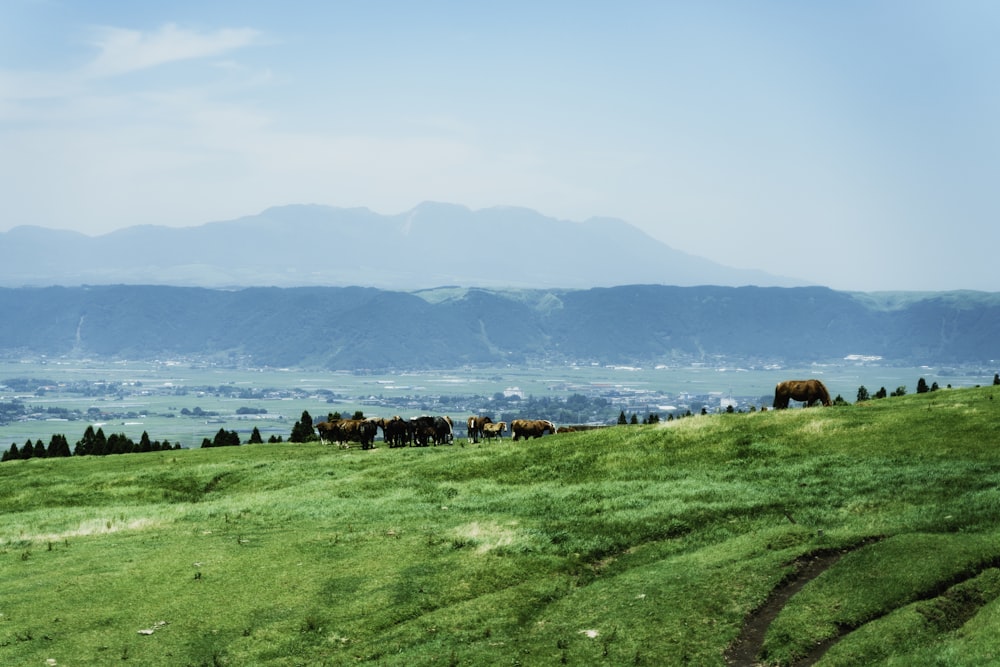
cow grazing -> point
(444, 433)
(380, 422)
(328, 431)
(475, 427)
(395, 431)
(344, 431)
(492, 431)
(421, 430)
(431, 430)
(807, 391)
(531, 428)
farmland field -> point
(153, 396)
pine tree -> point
(303, 430)
(40, 452)
(28, 450)
(922, 387)
(255, 438)
(862, 394)
(119, 443)
(100, 443)
(58, 446)
(622, 419)
(223, 439)
(85, 445)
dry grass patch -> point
(486, 537)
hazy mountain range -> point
(305, 245)
(352, 289)
(369, 328)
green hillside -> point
(645, 545)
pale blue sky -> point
(855, 144)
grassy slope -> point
(631, 545)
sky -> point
(853, 144)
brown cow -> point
(327, 431)
(807, 391)
(531, 428)
(344, 431)
(475, 427)
(491, 430)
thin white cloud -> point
(16, 87)
(123, 50)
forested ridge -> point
(368, 328)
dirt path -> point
(743, 652)
(963, 605)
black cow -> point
(395, 431)
(443, 432)
(422, 430)
(428, 429)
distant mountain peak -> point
(433, 244)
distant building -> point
(863, 358)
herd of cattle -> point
(425, 430)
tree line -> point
(95, 443)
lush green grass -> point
(630, 545)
